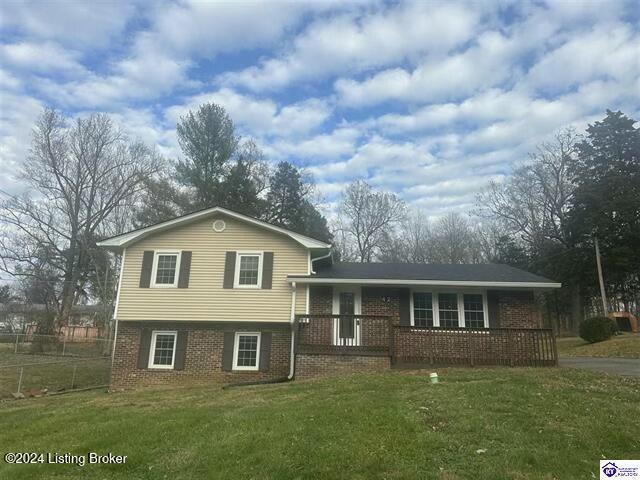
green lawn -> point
(621, 346)
(530, 423)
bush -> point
(597, 329)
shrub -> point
(597, 329)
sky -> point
(430, 100)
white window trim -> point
(236, 275)
(154, 271)
(436, 307)
(152, 350)
(236, 343)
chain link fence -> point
(34, 365)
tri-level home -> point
(219, 296)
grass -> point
(621, 346)
(532, 424)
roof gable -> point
(129, 238)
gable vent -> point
(219, 226)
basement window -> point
(246, 348)
(163, 349)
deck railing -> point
(376, 335)
(468, 346)
(344, 334)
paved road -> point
(629, 367)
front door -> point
(346, 327)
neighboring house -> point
(216, 295)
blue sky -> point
(428, 99)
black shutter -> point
(147, 266)
(181, 350)
(145, 346)
(267, 269)
(494, 309)
(265, 351)
(229, 269)
(185, 269)
(227, 351)
(405, 306)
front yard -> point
(626, 345)
(477, 423)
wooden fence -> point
(73, 333)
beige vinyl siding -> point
(301, 299)
(205, 299)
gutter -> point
(443, 283)
(319, 258)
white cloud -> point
(40, 57)
(608, 51)
(339, 143)
(260, 117)
(355, 43)
(77, 24)
(18, 114)
(488, 63)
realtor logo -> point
(610, 469)
(627, 469)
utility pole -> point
(604, 297)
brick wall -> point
(203, 361)
(320, 365)
(518, 309)
(321, 300)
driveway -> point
(629, 367)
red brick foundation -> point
(203, 361)
(322, 365)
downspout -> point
(319, 258)
(292, 355)
(115, 310)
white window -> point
(474, 310)
(422, 309)
(166, 266)
(163, 349)
(449, 309)
(246, 351)
(248, 270)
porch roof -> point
(477, 275)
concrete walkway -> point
(629, 367)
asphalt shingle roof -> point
(413, 271)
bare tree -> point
(411, 242)
(532, 206)
(81, 177)
(533, 203)
(366, 216)
(454, 241)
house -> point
(219, 296)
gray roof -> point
(427, 272)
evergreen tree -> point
(288, 203)
(607, 201)
(208, 141)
